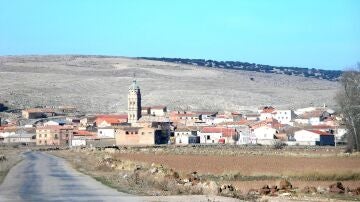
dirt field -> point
(245, 169)
(250, 165)
(244, 186)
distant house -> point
(54, 135)
(266, 113)
(284, 116)
(110, 120)
(314, 137)
(314, 118)
(187, 135)
(20, 138)
(129, 135)
(263, 134)
(145, 111)
(106, 132)
(221, 118)
(17, 135)
(158, 110)
(81, 136)
(211, 135)
(35, 113)
(185, 118)
(252, 117)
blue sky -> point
(307, 33)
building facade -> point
(134, 103)
(54, 135)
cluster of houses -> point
(151, 125)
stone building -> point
(130, 135)
(54, 135)
(134, 103)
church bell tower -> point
(134, 103)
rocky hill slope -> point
(100, 84)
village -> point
(64, 126)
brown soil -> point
(249, 165)
(245, 186)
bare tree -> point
(349, 101)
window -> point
(136, 132)
(208, 137)
(40, 136)
(127, 132)
(39, 141)
(45, 135)
(56, 136)
(142, 133)
(45, 142)
(67, 135)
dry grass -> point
(46, 80)
(12, 156)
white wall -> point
(213, 138)
(157, 112)
(106, 132)
(303, 136)
(182, 137)
(78, 142)
(264, 133)
(284, 116)
(264, 116)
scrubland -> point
(96, 84)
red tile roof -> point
(84, 133)
(268, 110)
(111, 119)
(226, 132)
(320, 132)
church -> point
(141, 130)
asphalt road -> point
(43, 177)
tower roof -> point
(134, 86)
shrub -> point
(279, 145)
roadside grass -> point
(12, 157)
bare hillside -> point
(100, 84)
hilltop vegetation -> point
(331, 75)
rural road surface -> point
(43, 177)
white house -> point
(313, 137)
(158, 110)
(284, 116)
(264, 135)
(25, 138)
(106, 132)
(210, 135)
(184, 136)
(266, 113)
